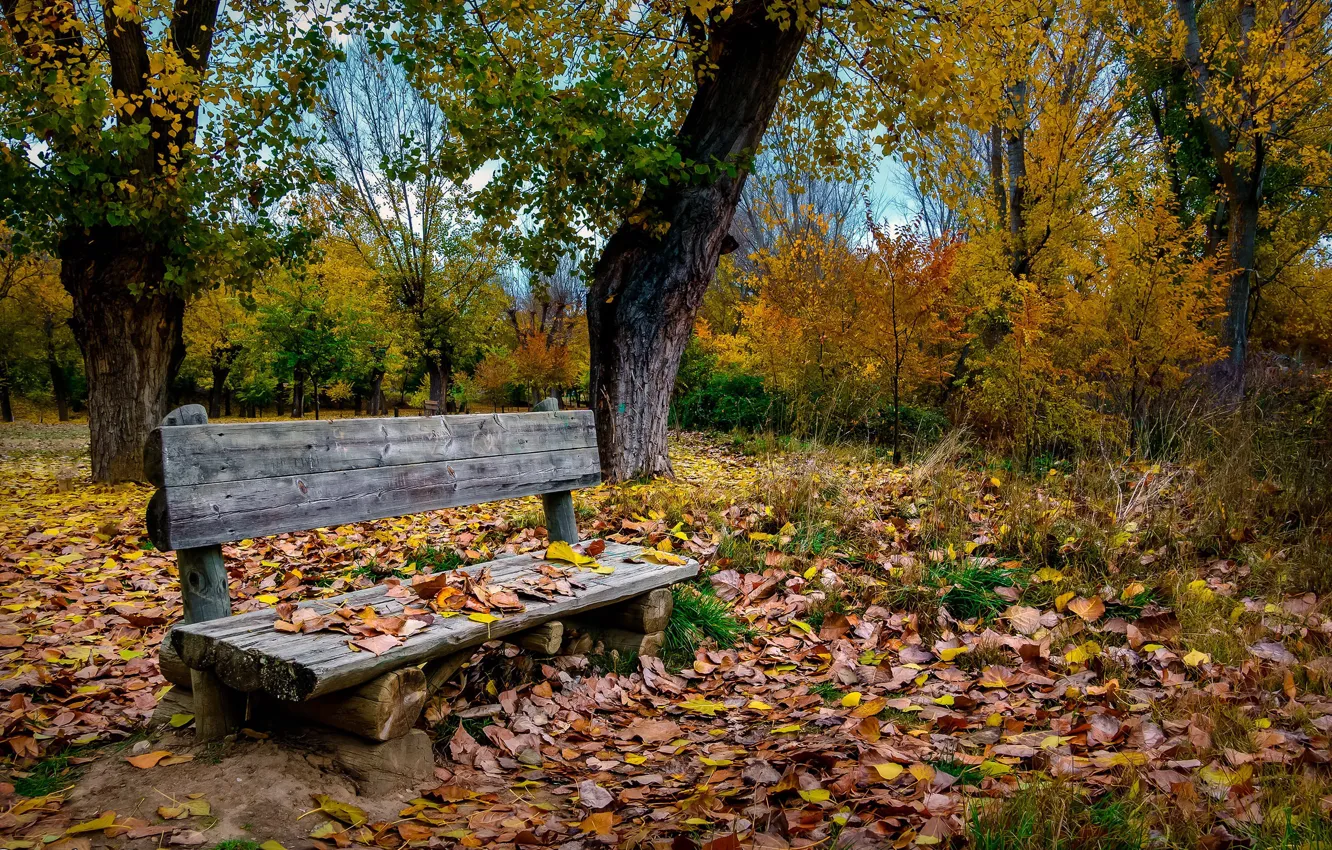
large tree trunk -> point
(647, 288)
(131, 344)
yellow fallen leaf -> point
(1194, 658)
(344, 812)
(787, 727)
(1047, 574)
(271, 845)
(851, 700)
(946, 699)
(179, 720)
(635, 758)
(994, 768)
(106, 821)
(700, 705)
(889, 770)
(953, 652)
(656, 556)
(479, 617)
(758, 705)
(562, 551)
(803, 626)
(711, 762)
(267, 598)
(816, 795)
(1061, 601)
(1082, 654)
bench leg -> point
(218, 710)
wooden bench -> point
(228, 482)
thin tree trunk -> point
(316, 397)
(1017, 182)
(226, 400)
(131, 344)
(6, 403)
(59, 380)
(646, 287)
(216, 391)
(1244, 201)
(298, 396)
(997, 174)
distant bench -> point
(228, 482)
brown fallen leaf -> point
(147, 760)
(1090, 610)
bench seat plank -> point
(196, 515)
(248, 654)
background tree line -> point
(1120, 212)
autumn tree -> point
(130, 134)
(405, 209)
(909, 311)
(639, 124)
(1256, 77)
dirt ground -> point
(256, 790)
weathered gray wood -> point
(648, 613)
(561, 522)
(219, 710)
(296, 667)
(170, 665)
(545, 639)
(203, 583)
(212, 454)
(182, 517)
(606, 640)
(378, 769)
(384, 708)
(439, 671)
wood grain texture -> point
(648, 613)
(545, 639)
(378, 769)
(383, 708)
(212, 513)
(214, 454)
(203, 583)
(248, 654)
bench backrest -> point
(220, 483)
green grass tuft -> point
(699, 615)
(971, 588)
(429, 559)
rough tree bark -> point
(647, 288)
(128, 326)
(131, 344)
